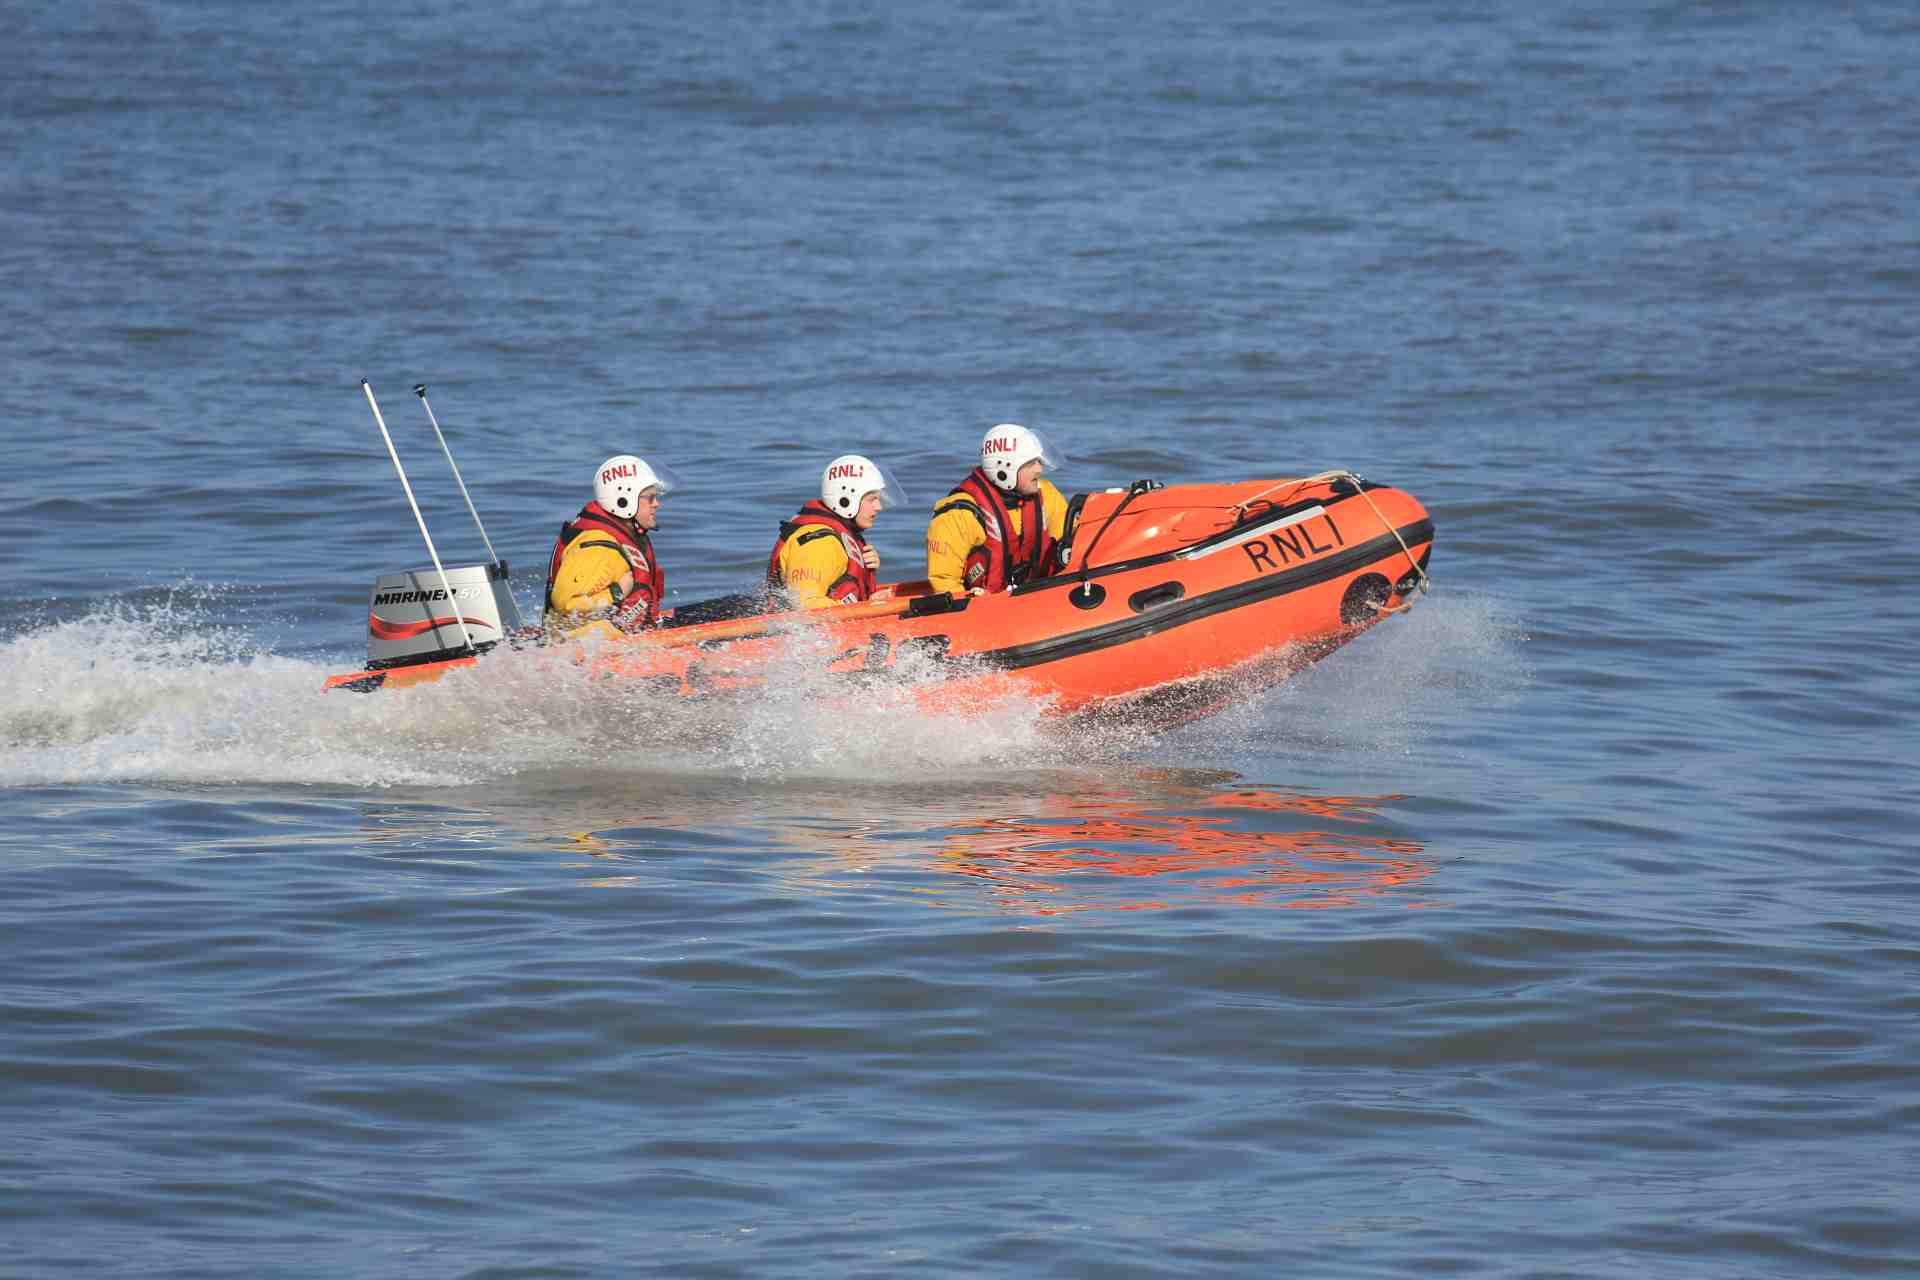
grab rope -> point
(1360, 487)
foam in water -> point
(811, 723)
(163, 694)
(1383, 694)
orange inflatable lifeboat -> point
(1172, 601)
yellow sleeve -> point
(1055, 508)
(952, 535)
(583, 582)
(808, 569)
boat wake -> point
(162, 693)
(1390, 696)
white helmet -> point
(851, 477)
(621, 479)
(1009, 447)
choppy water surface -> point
(1563, 926)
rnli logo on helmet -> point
(625, 471)
(846, 471)
(998, 444)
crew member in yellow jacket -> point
(603, 578)
(1003, 523)
(822, 556)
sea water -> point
(1563, 926)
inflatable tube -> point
(1171, 601)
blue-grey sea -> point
(1567, 925)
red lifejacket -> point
(1000, 564)
(851, 587)
(639, 607)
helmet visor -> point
(1048, 458)
(663, 479)
(891, 494)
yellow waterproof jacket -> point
(955, 533)
(808, 568)
(584, 583)
(583, 577)
(815, 562)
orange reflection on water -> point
(1058, 864)
(1062, 844)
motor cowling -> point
(411, 618)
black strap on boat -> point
(1083, 595)
(927, 606)
(1068, 528)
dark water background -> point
(1562, 927)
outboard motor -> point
(410, 619)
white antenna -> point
(418, 518)
(420, 389)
